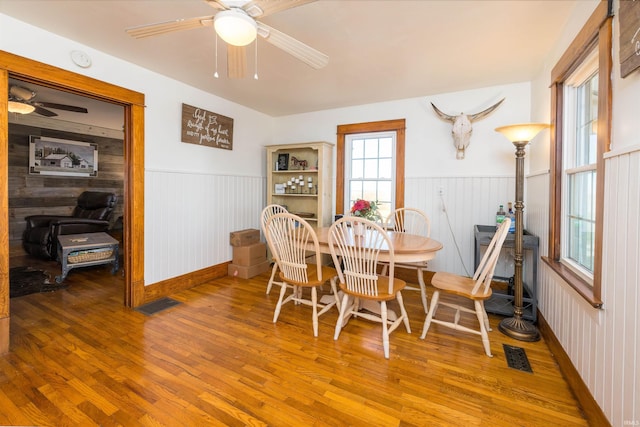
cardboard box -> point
(246, 237)
(249, 255)
(244, 272)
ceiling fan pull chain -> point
(216, 75)
(255, 76)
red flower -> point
(365, 209)
(360, 205)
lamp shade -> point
(20, 107)
(521, 132)
(235, 27)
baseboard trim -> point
(186, 281)
(592, 412)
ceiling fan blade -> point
(261, 8)
(61, 107)
(44, 112)
(169, 26)
(216, 4)
(303, 52)
(236, 61)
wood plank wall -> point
(42, 194)
(455, 205)
(602, 344)
(191, 232)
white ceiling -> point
(378, 50)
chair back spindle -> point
(356, 246)
(487, 266)
(359, 254)
(265, 216)
(412, 221)
(292, 239)
(290, 236)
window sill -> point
(573, 280)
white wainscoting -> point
(468, 201)
(188, 218)
(604, 345)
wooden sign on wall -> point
(203, 127)
(629, 15)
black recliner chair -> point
(91, 215)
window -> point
(580, 169)
(370, 164)
(581, 122)
(369, 170)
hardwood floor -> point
(79, 357)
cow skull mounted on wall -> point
(461, 130)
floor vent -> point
(157, 306)
(517, 358)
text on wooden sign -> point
(203, 127)
(629, 15)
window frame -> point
(349, 139)
(573, 163)
(398, 126)
(597, 32)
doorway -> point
(13, 66)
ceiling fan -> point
(21, 100)
(236, 22)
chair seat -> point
(458, 285)
(383, 288)
(327, 273)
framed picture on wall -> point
(53, 156)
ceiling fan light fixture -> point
(21, 92)
(20, 107)
(235, 27)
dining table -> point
(406, 248)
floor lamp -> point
(516, 327)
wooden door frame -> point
(133, 234)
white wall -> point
(473, 188)
(429, 146)
(603, 344)
(182, 214)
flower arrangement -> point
(366, 209)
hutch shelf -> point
(299, 178)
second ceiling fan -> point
(236, 22)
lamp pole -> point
(516, 327)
